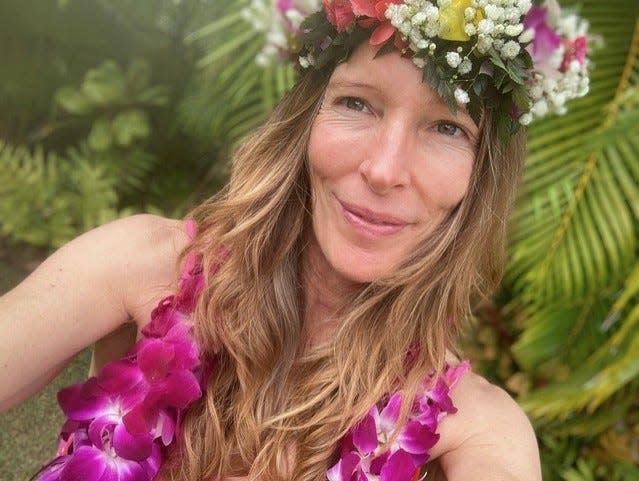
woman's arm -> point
(489, 438)
(85, 290)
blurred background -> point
(112, 107)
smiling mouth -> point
(371, 223)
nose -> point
(385, 166)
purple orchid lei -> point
(364, 453)
(120, 422)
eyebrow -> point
(461, 109)
(345, 83)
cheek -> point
(328, 152)
(317, 155)
(322, 163)
(446, 183)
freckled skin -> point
(383, 140)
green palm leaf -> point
(234, 94)
(573, 265)
(611, 366)
(581, 170)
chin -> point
(361, 267)
(361, 276)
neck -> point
(325, 292)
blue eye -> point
(452, 130)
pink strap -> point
(190, 226)
(454, 373)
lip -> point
(372, 223)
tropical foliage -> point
(145, 121)
(569, 301)
(100, 92)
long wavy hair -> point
(274, 410)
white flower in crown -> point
(461, 96)
(280, 22)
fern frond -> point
(47, 199)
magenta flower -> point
(284, 5)
(119, 420)
(285, 8)
(90, 463)
(546, 40)
(365, 452)
(53, 470)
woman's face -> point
(388, 161)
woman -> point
(325, 288)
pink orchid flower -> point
(118, 421)
(363, 460)
(91, 463)
(365, 453)
(545, 42)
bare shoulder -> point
(84, 291)
(141, 231)
(490, 437)
(115, 263)
(478, 400)
(148, 249)
(148, 237)
(140, 234)
(140, 245)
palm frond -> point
(234, 94)
(610, 367)
(573, 267)
(572, 196)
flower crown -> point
(521, 60)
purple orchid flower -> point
(53, 470)
(398, 462)
(90, 463)
(400, 466)
(546, 40)
(365, 454)
(93, 457)
(118, 421)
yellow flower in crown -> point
(453, 19)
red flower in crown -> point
(375, 10)
(342, 13)
(339, 13)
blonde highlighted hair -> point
(274, 410)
